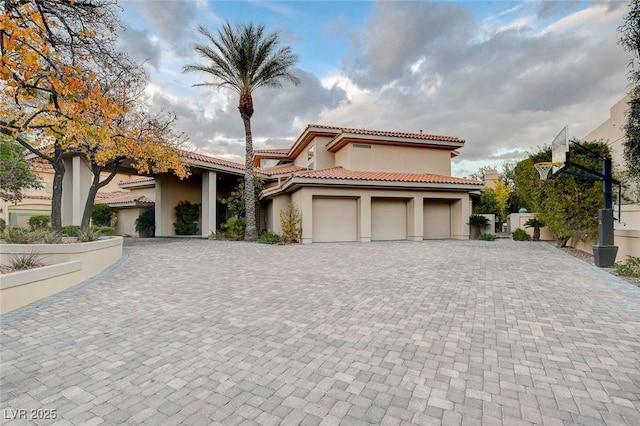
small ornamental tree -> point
(290, 220)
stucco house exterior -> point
(612, 131)
(365, 185)
(349, 185)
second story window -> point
(310, 158)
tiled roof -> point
(279, 170)
(211, 160)
(121, 197)
(341, 173)
(384, 133)
(37, 197)
(141, 179)
(276, 151)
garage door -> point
(437, 220)
(388, 219)
(335, 219)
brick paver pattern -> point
(436, 332)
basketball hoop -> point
(544, 168)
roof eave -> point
(297, 182)
(345, 138)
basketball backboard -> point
(559, 149)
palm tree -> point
(243, 58)
(536, 224)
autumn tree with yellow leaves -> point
(66, 90)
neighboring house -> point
(365, 185)
(612, 131)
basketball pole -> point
(604, 253)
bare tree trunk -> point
(91, 197)
(251, 230)
(536, 233)
(562, 242)
(56, 195)
(93, 191)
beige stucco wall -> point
(276, 204)
(460, 209)
(389, 158)
(612, 132)
(322, 158)
(127, 221)
(517, 220)
(149, 192)
(170, 190)
(70, 264)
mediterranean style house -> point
(365, 185)
(348, 184)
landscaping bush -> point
(101, 215)
(146, 223)
(91, 234)
(18, 236)
(187, 215)
(290, 223)
(487, 237)
(23, 261)
(104, 230)
(269, 238)
(520, 235)
(3, 225)
(24, 236)
(70, 230)
(39, 222)
(234, 228)
(629, 269)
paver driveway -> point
(451, 332)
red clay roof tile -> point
(341, 173)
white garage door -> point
(335, 219)
(388, 219)
(437, 219)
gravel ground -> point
(589, 259)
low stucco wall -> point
(517, 220)
(67, 265)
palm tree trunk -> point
(251, 230)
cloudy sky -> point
(505, 76)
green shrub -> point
(17, 236)
(104, 230)
(23, 261)
(269, 238)
(290, 220)
(629, 269)
(90, 235)
(536, 224)
(487, 237)
(520, 235)
(146, 223)
(479, 220)
(70, 230)
(234, 228)
(40, 221)
(187, 215)
(101, 215)
(3, 225)
(24, 236)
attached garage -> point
(437, 219)
(335, 219)
(388, 219)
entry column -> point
(365, 218)
(209, 191)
